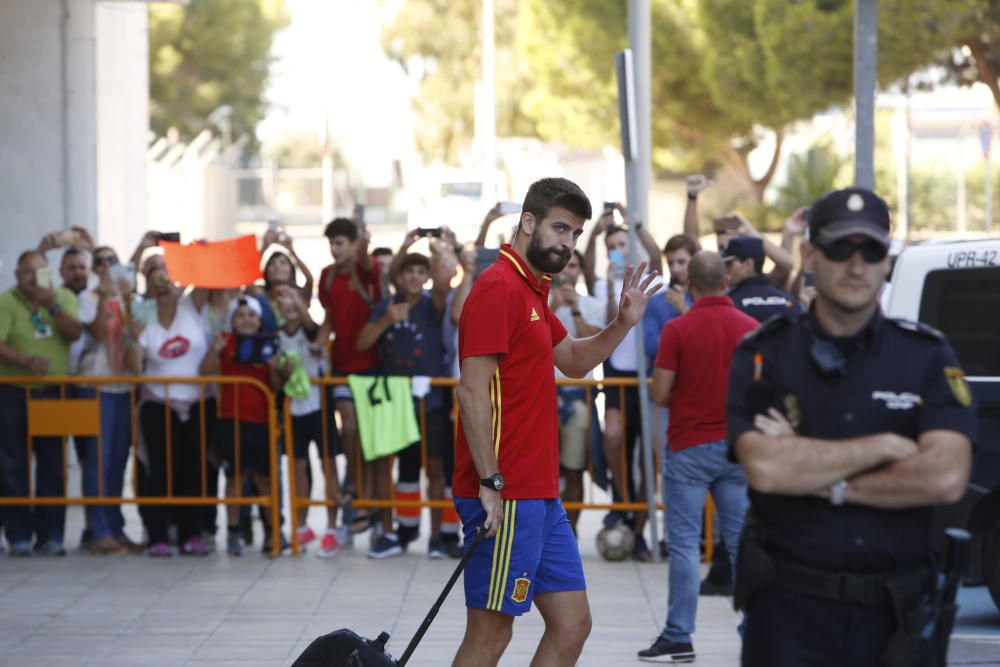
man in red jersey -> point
(507, 456)
(347, 290)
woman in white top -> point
(171, 346)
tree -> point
(439, 44)
(210, 54)
(979, 59)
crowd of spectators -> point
(386, 313)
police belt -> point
(868, 590)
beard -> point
(548, 260)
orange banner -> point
(214, 265)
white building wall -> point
(74, 82)
(33, 195)
(122, 123)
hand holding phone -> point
(434, 232)
(509, 208)
(616, 264)
(169, 237)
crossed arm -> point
(884, 470)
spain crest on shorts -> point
(520, 593)
(959, 387)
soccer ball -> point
(615, 542)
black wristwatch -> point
(494, 481)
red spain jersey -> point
(507, 314)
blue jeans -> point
(688, 476)
(46, 522)
(116, 440)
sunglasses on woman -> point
(840, 251)
(105, 260)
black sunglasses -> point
(105, 260)
(840, 251)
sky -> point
(330, 68)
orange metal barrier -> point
(299, 500)
(69, 416)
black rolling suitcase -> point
(345, 648)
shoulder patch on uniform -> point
(916, 327)
(771, 325)
(959, 387)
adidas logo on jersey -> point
(534, 316)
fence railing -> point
(70, 412)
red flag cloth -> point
(214, 265)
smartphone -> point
(809, 279)
(429, 231)
(144, 310)
(68, 237)
(119, 272)
(509, 208)
(674, 281)
(359, 211)
(254, 349)
(727, 223)
(273, 223)
(609, 206)
(169, 237)
(43, 277)
(616, 264)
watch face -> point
(498, 482)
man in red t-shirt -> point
(691, 376)
(506, 476)
(347, 290)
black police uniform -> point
(894, 376)
(760, 300)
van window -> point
(965, 306)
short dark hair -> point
(71, 251)
(381, 251)
(615, 229)
(414, 259)
(681, 242)
(341, 227)
(549, 192)
(28, 253)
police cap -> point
(847, 212)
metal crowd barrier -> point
(68, 415)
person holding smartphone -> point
(621, 405)
(37, 325)
(407, 330)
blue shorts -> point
(534, 552)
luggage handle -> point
(426, 623)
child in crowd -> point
(243, 412)
(299, 346)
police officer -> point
(752, 291)
(850, 428)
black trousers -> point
(185, 461)
(786, 629)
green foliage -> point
(439, 43)
(723, 71)
(811, 175)
(209, 54)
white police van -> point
(955, 288)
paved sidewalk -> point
(250, 611)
